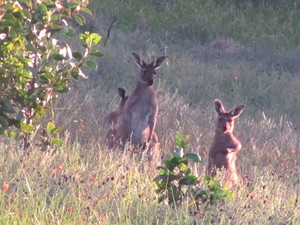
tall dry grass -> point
(84, 183)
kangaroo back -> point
(139, 116)
(222, 153)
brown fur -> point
(139, 116)
(113, 117)
(223, 151)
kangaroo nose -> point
(150, 82)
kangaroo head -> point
(124, 98)
(148, 71)
(225, 119)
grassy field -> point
(240, 53)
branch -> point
(109, 29)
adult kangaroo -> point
(223, 151)
(139, 116)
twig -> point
(109, 29)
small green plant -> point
(176, 183)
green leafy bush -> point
(37, 63)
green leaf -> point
(75, 73)
(77, 55)
(10, 133)
(50, 127)
(86, 10)
(57, 57)
(42, 7)
(4, 122)
(27, 127)
(57, 141)
(63, 90)
(91, 64)
(56, 17)
(95, 38)
(70, 32)
(189, 180)
(79, 19)
(14, 122)
(195, 157)
(27, 14)
(165, 178)
(6, 106)
(96, 53)
(8, 23)
(180, 140)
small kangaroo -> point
(139, 116)
(113, 117)
(223, 151)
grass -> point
(84, 183)
(89, 184)
(273, 25)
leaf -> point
(77, 55)
(42, 7)
(50, 127)
(91, 64)
(57, 57)
(96, 38)
(96, 53)
(75, 73)
(195, 157)
(63, 90)
(79, 19)
(6, 106)
(189, 180)
(14, 122)
(4, 122)
(70, 32)
(27, 127)
(86, 10)
(27, 14)
(8, 23)
(57, 141)
(165, 178)
(10, 133)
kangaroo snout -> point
(150, 82)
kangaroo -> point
(139, 115)
(223, 151)
(113, 117)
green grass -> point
(266, 25)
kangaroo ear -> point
(159, 61)
(237, 111)
(121, 92)
(138, 60)
(219, 106)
